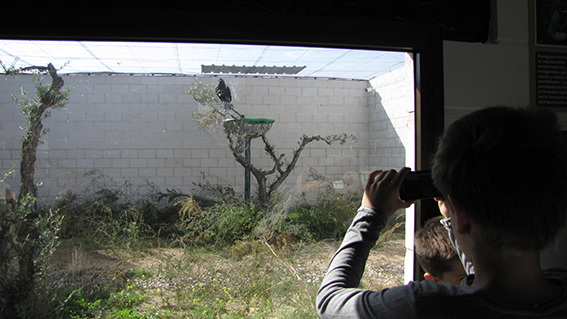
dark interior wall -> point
(329, 21)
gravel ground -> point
(75, 266)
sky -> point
(188, 58)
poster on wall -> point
(551, 22)
(548, 52)
(551, 79)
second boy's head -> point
(437, 255)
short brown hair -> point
(506, 168)
(434, 249)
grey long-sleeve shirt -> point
(339, 297)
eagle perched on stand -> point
(223, 92)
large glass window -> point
(130, 121)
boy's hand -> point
(382, 191)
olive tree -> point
(216, 109)
(31, 234)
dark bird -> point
(223, 92)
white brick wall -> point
(391, 119)
(392, 135)
(139, 127)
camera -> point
(418, 185)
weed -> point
(258, 285)
(328, 217)
(216, 193)
(222, 259)
(28, 237)
(119, 304)
(220, 225)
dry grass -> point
(249, 279)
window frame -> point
(424, 41)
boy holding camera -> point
(502, 173)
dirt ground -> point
(73, 264)
(385, 266)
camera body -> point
(418, 185)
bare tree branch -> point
(216, 112)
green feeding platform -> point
(249, 127)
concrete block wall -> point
(391, 142)
(138, 128)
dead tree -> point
(280, 167)
(218, 108)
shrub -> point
(218, 225)
(328, 217)
(117, 212)
(108, 224)
(28, 237)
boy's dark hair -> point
(506, 168)
(434, 249)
